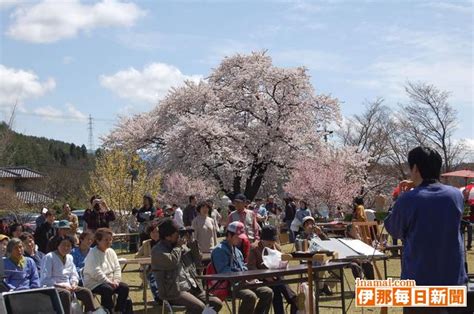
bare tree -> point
(6, 136)
(429, 119)
(368, 132)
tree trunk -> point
(236, 185)
(252, 187)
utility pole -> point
(91, 135)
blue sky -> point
(64, 60)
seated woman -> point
(102, 272)
(268, 239)
(311, 232)
(29, 246)
(80, 252)
(20, 271)
(145, 251)
(58, 270)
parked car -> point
(28, 220)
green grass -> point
(131, 276)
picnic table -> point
(143, 261)
(238, 279)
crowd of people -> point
(76, 266)
(81, 265)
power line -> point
(62, 117)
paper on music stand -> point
(361, 247)
(334, 245)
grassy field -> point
(131, 276)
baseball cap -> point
(238, 228)
(240, 198)
(64, 224)
(308, 218)
(3, 237)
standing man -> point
(271, 206)
(189, 212)
(99, 215)
(73, 221)
(226, 257)
(41, 218)
(45, 232)
(245, 216)
(429, 207)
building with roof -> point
(21, 181)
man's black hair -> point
(192, 197)
(427, 160)
(167, 228)
(359, 200)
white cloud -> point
(17, 86)
(48, 112)
(56, 114)
(51, 20)
(457, 7)
(73, 112)
(147, 85)
(6, 4)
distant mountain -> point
(40, 153)
(66, 166)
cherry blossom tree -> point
(178, 187)
(248, 119)
(332, 176)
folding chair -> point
(172, 308)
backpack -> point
(219, 289)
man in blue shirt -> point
(427, 218)
(226, 257)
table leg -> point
(145, 288)
(316, 292)
(310, 287)
(234, 307)
(343, 300)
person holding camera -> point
(99, 215)
(173, 262)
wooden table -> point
(238, 279)
(144, 261)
